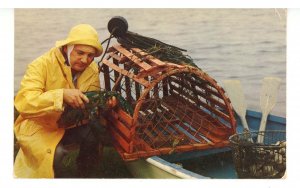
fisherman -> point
(57, 78)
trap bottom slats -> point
(164, 137)
(197, 119)
(165, 151)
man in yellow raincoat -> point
(58, 77)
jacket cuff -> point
(58, 100)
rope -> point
(105, 51)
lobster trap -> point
(176, 108)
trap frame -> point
(176, 108)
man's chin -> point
(79, 69)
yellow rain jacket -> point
(40, 104)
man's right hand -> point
(75, 98)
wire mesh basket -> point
(259, 160)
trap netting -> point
(176, 108)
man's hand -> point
(75, 98)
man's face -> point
(81, 57)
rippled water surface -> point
(244, 44)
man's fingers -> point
(75, 98)
(80, 102)
(85, 99)
(75, 104)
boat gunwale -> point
(171, 168)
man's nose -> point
(84, 59)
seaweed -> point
(97, 105)
(158, 49)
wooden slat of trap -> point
(152, 59)
(150, 137)
(198, 92)
(126, 146)
(201, 129)
(119, 114)
(199, 102)
(106, 77)
(142, 149)
(167, 114)
(207, 125)
(148, 132)
(126, 73)
(215, 127)
(128, 86)
(155, 72)
(205, 86)
(172, 132)
(199, 113)
(178, 135)
(155, 136)
(115, 56)
(120, 127)
(210, 132)
(137, 86)
(150, 140)
(117, 77)
(133, 58)
(193, 136)
(163, 151)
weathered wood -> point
(200, 93)
(115, 56)
(106, 77)
(167, 122)
(199, 102)
(164, 151)
(205, 85)
(126, 73)
(120, 140)
(141, 145)
(210, 132)
(137, 87)
(165, 86)
(133, 58)
(118, 125)
(146, 56)
(200, 113)
(125, 118)
(116, 77)
(153, 72)
(128, 86)
(117, 87)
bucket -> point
(259, 160)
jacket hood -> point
(83, 34)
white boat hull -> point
(157, 168)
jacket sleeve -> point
(32, 100)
